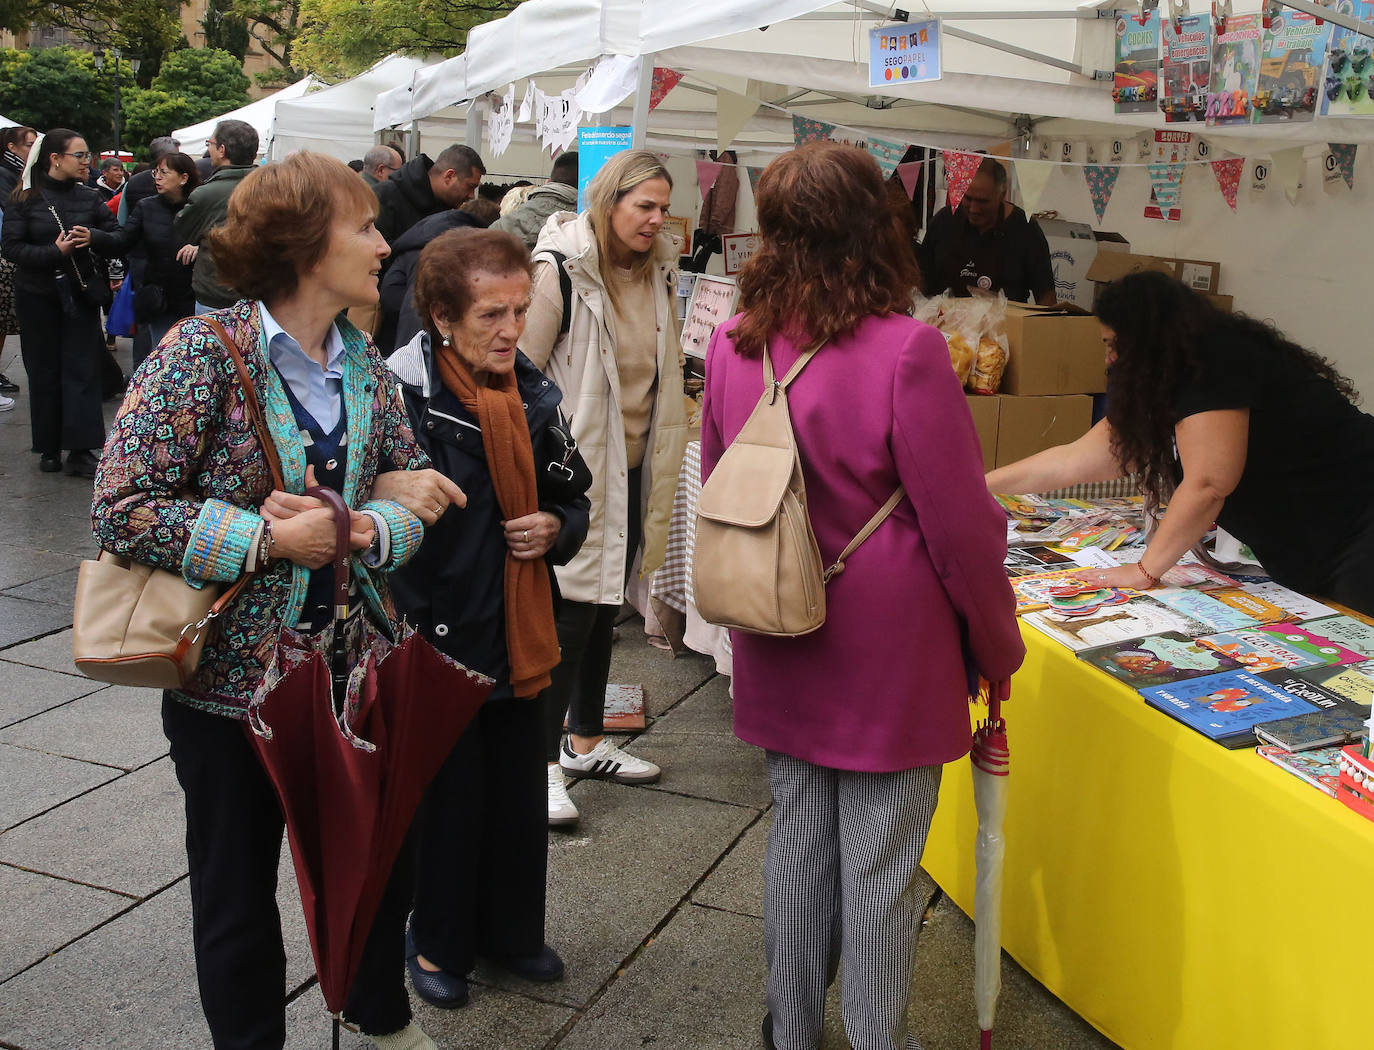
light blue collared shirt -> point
(320, 390)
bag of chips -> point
(991, 356)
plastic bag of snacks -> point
(991, 355)
(959, 323)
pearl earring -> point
(446, 342)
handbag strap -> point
(792, 373)
(865, 532)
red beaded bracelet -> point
(1154, 580)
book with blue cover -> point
(1226, 707)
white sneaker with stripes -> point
(608, 762)
(562, 812)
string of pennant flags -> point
(1166, 157)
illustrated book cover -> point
(1225, 707)
(1161, 659)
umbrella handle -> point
(338, 654)
(997, 692)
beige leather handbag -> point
(757, 567)
(137, 625)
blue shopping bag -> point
(120, 319)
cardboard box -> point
(1072, 250)
(1027, 425)
(1054, 350)
(1198, 274)
(985, 411)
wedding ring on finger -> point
(527, 535)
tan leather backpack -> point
(756, 567)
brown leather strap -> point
(250, 400)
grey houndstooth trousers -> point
(840, 892)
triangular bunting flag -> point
(1288, 166)
(1165, 183)
(707, 173)
(909, 173)
(887, 154)
(733, 111)
(1101, 179)
(1228, 177)
(754, 175)
(1344, 153)
(959, 171)
(805, 130)
(1032, 177)
(664, 81)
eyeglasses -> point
(83, 155)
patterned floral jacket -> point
(183, 474)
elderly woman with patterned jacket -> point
(184, 485)
(617, 360)
(481, 589)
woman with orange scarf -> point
(481, 588)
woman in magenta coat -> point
(858, 717)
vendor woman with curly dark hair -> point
(1230, 422)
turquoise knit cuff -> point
(219, 543)
(407, 531)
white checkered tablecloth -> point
(673, 581)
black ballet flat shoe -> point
(437, 987)
(768, 1032)
(544, 966)
(81, 464)
(50, 464)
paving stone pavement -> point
(654, 899)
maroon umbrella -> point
(350, 746)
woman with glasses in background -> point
(53, 227)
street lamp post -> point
(134, 63)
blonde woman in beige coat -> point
(619, 366)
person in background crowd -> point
(400, 321)
(856, 729)
(53, 223)
(717, 212)
(162, 285)
(15, 144)
(1203, 406)
(986, 243)
(619, 365)
(514, 197)
(526, 220)
(140, 184)
(378, 165)
(485, 211)
(111, 179)
(481, 589)
(424, 187)
(356, 166)
(233, 148)
(185, 486)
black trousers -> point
(577, 688)
(233, 843)
(63, 356)
(1352, 582)
(483, 843)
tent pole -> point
(473, 135)
(640, 118)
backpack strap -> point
(792, 373)
(565, 287)
(867, 531)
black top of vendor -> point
(986, 243)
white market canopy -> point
(259, 114)
(1000, 59)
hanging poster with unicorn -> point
(1235, 72)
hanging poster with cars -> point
(1291, 68)
(1136, 84)
(1185, 67)
(1235, 71)
(1349, 71)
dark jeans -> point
(578, 686)
(233, 843)
(483, 841)
(63, 356)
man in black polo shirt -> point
(986, 243)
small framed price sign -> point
(738, 248)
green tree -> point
(341, 38)
(194, 84)
(58, 87)
(145, 29)
(274, 24)
(224, 29)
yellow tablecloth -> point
(1173, 893)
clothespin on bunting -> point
(959, 171)
(707, 173)
(733, 111)
(1221, 11)
(1227, 174)
(1101, 179)
(664, 81)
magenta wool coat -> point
(883, 685)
